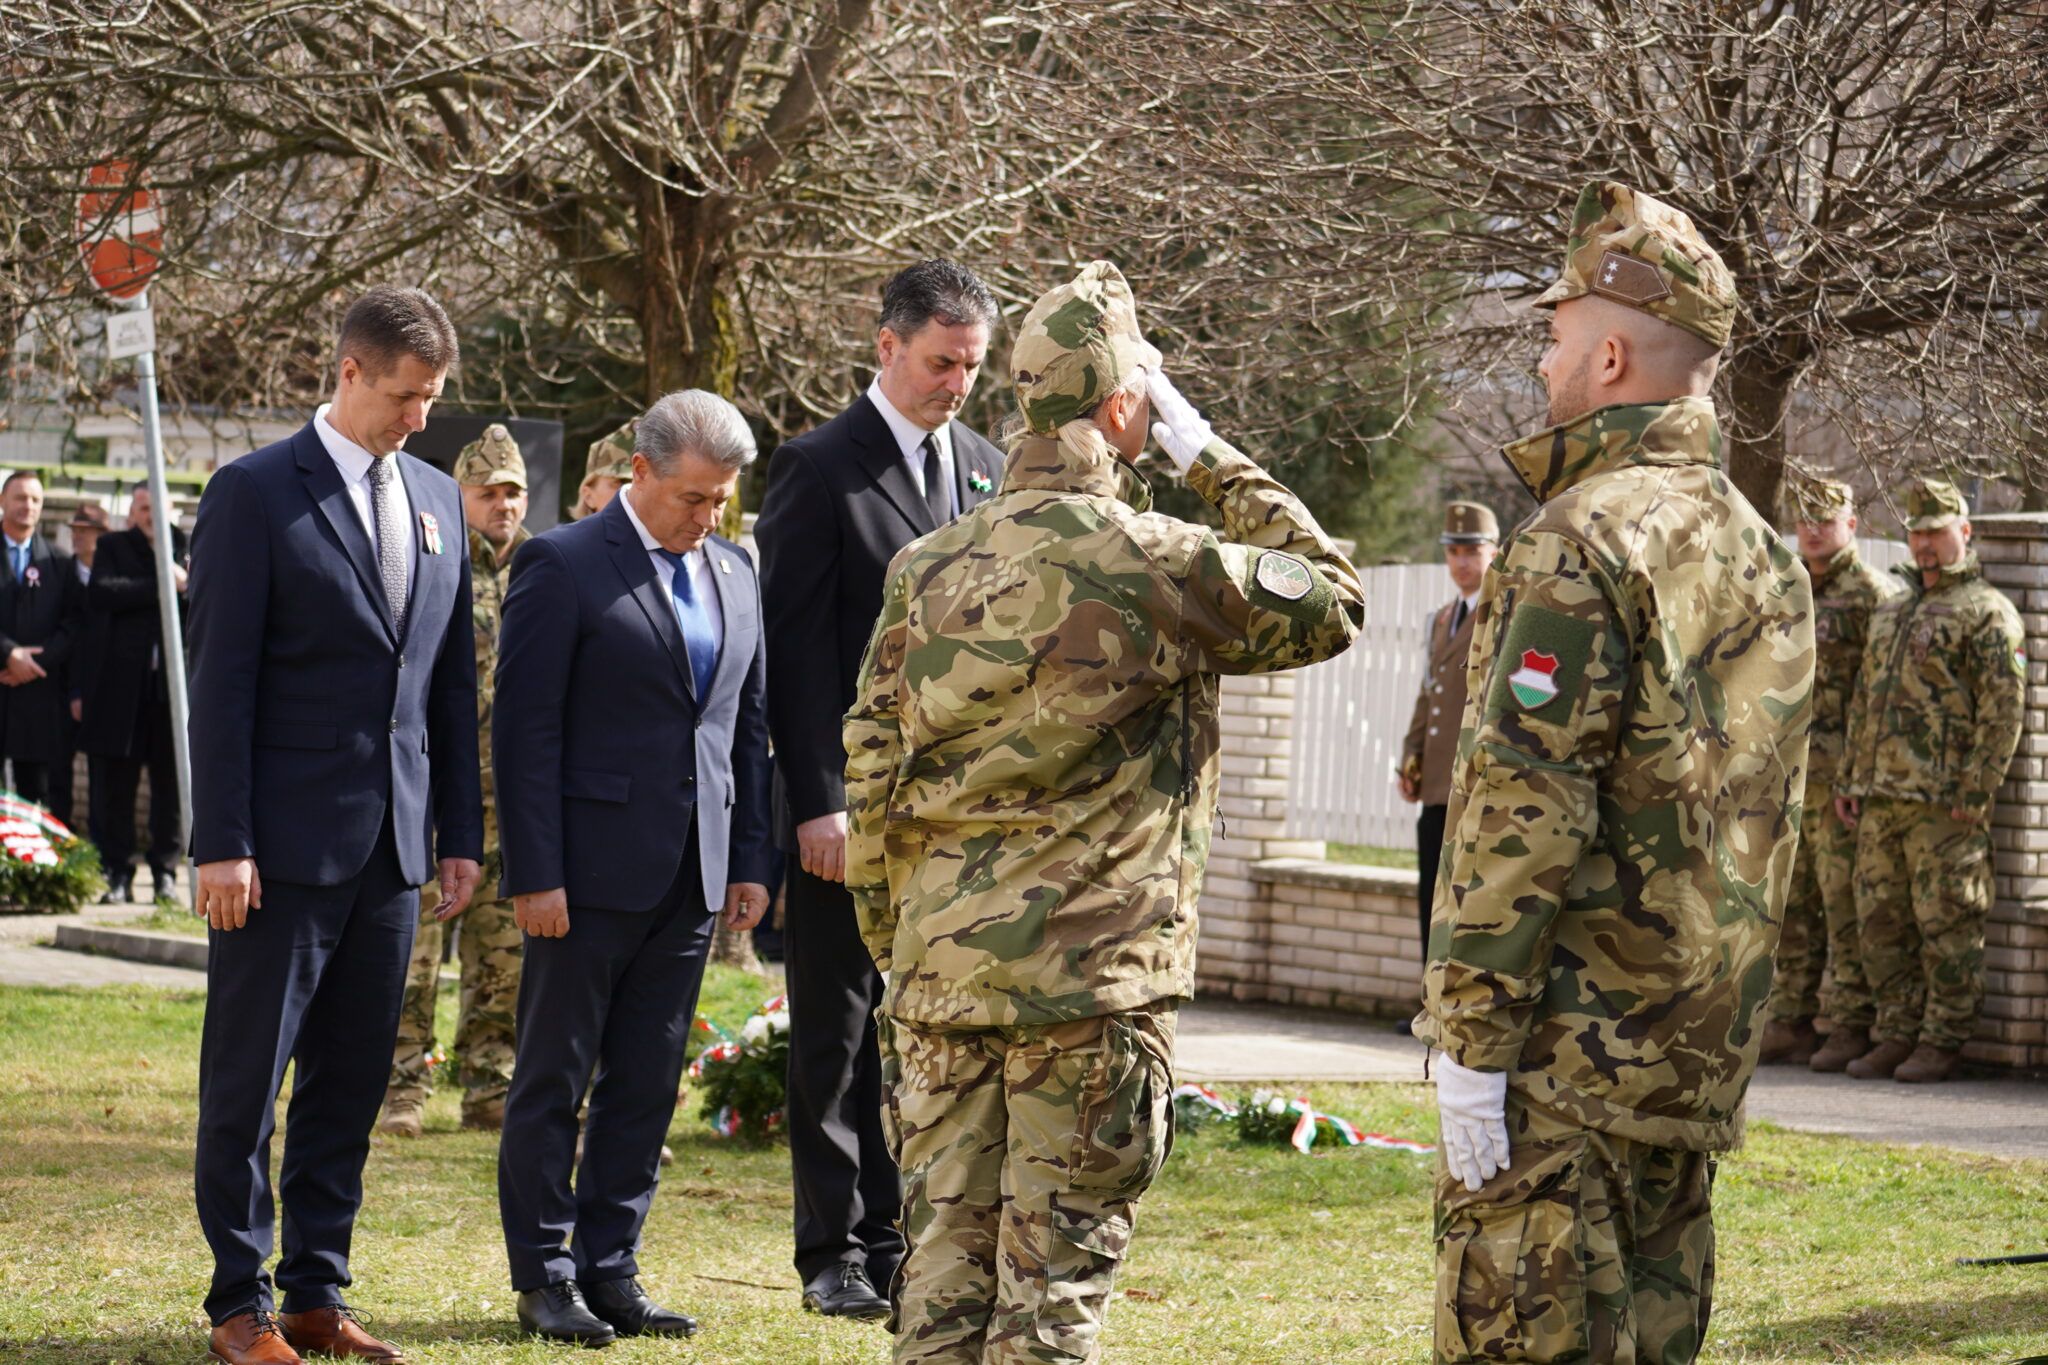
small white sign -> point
(130, 333)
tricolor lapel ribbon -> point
(431, 530)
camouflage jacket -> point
(1623, 820)
(1031, 753)
(1937, 714)
(487, 607)
(1844, 596)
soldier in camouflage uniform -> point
(1621, 829)
(493, 480)
(607, 469)
(1932, 730)
(1031, 776)
(1820, 913)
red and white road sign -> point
(120, 229)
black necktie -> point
(1458, 617)
(935, 496)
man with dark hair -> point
(40, 603)
(127, 710)
(842, 500)
(333, 747)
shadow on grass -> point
(1899, 1328)
(180, 1345)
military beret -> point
(1810, 498)
(1641, 252)
(1469, 523)
(1932, 504)
(1078, 344)
(491, 458)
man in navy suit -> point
(842, 500)
(334, 752)
(625, 825)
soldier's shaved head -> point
(1602, 353)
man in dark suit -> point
(333, 748)
(126, 705)
(88, 524)
(40, 604)
(842, 500)
(626, 822)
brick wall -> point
(1279, 924)
(2014, 1027)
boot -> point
(486, 1116)
(404, 1116)
(1843, 1046)
(1927, 1065)
(1880, 1062)
(1789, 1042)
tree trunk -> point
(1760, 397)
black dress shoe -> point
(117, 891)
(625, 1305)
(161, 885)
(557, 1311)
(843, 1291)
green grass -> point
(1369, 855)
(167, 918)
(1830, 1249)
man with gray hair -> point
(625, 829)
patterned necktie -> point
(390, 541)
(698, 641)
(935, 497)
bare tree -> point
(1873, 171)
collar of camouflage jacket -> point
(1682, 431)
(484, 556)
(1949, 576)
(1078, 460)
(1842, 560)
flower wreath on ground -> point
(745, 1078)
(44, 866)
(1270, 1120)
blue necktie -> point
(696, 623)
(20, 553)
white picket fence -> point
(1351, 713)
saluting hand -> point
(544, 914)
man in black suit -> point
(333, 748)
(842, 500)
(631, 748)
(40, 604)
(126, 704)
(88, 524)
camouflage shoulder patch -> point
(1541, 661)
(1286, 577)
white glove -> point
(1180, 430)
(1472, 1121)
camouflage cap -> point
(1932, 504)
(1810, 498)
(1077, 345)
(612, 457)
(1469, 523)
(1640, 251)
(491, 458)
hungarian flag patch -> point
(1535, 682)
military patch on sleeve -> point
(2019, 660)
(1286, 577)
(1541, 663)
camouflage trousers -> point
(1587, 1248)
(488, 946)
(1024, 1151)
(1820, 923)
(1923, 887)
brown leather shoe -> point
(251, 1339)
(1880, 1062)
(1927, 1065)
(1843, 1046)
(335, 1332)
(1789, 1042)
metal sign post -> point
(167, 590)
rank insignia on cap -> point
(1286, 577)
(1535, 682)
(430, 531)
(1629, 279)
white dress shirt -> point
(697, 561)
(354, 463)
(910, 439)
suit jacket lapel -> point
(415, 580)
(725, 584)
(968, 461)
(630, 556)
(323, 483)
(883, 460)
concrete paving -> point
(28, 959)
(2006, 1116)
